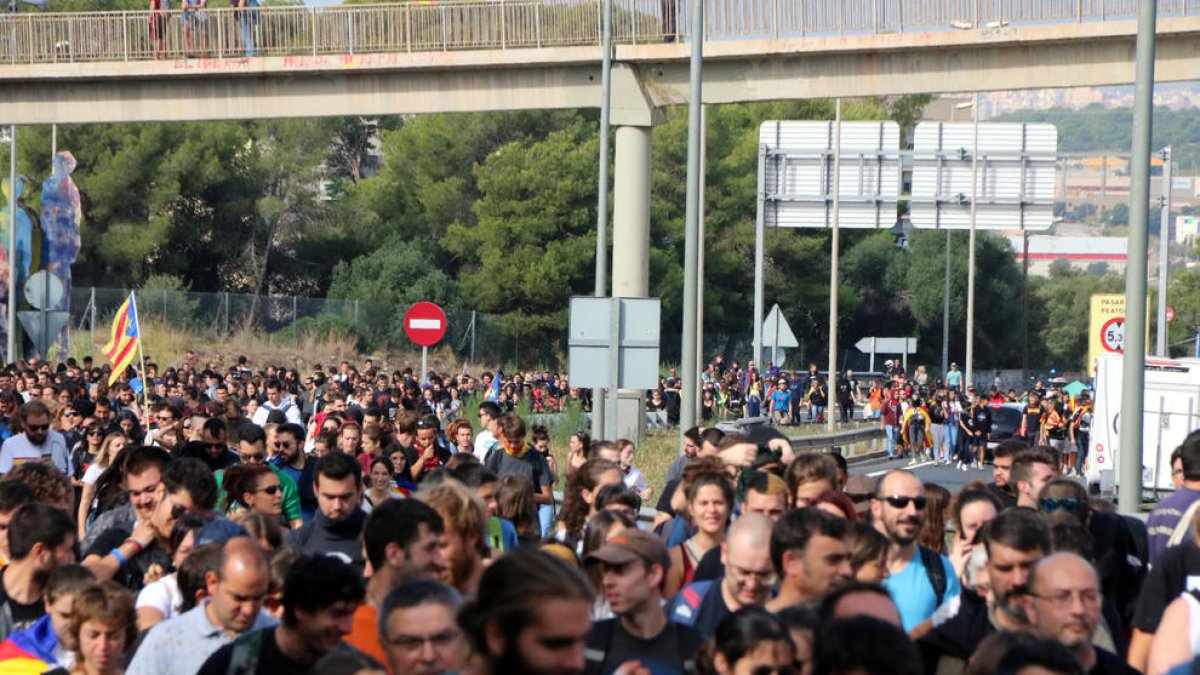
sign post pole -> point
(425, 324)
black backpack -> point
(936, 573)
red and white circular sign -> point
(1170, 314)
(1112, 334)
(425, 323)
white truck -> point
(1171, 411)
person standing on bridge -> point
(158, 26)
(248, 20)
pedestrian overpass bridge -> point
(466, 55)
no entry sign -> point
(425, 323)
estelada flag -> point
(124, 341)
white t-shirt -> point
(484, 442)
(92, 474)
(162, 595)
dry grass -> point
(168, 345)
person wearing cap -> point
(634, 566)
(954, 378)
(236, 591)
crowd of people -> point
(246, 519)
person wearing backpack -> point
(921, 580)
(634, 565)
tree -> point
(1065, 298)
(393, 277)
(530, 246)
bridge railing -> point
(297, 30)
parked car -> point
(1006, 419)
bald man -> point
(233, 606)
(1063, 604)
(748, 579)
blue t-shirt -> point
(780, 400)
(913, 593)
(954, 378)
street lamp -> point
(946, 288)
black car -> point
(1006, 420)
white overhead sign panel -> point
(796, 173)
(1014, 175)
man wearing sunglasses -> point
(126, 556)
(921, 579)
(37, 443)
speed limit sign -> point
(1112, 334)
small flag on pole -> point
(124, 341)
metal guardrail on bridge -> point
(420, 26)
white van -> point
(1171, 411)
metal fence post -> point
(295, 317)
(226, 313)
(356, 316)
(472, 360)
(312, 13)
(164, 305)
(93, 322)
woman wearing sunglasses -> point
(252, 487)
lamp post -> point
(946, 289)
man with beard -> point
(463, 542)
(291, 460)
(403, 540)
(1015, 541)
(418, 630)
(634, 567)
(1063, 604)
(38, 442)
(233, 605)
(921, 579)
(1002, 487)
(532, 615)
(339, 521)
(40, 538)
(811, 555)
(320, 594)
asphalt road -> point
(948, 477)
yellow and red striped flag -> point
(124, 341)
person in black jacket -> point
(339, 521)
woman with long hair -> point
(709, 504)
(253, 487)
(580, 498)
(933, 532)
(515, 502)
(106, 453)
(578, 447)
(380, 484)
(973, 508)
(130, 427)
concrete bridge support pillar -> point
(631, 247)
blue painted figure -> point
(61, 218)
(24, 247)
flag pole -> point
(137, 317)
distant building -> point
(1109, 253)
(1186, 229)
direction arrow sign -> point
(887, 345)
(425, 324)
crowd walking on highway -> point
(248, 518)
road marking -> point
(909, 467)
